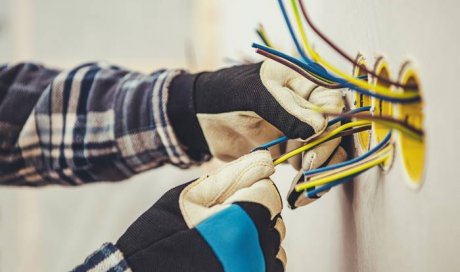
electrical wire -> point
(343, 168)
(345, 55)
(299, 70)
(374, 160)
(319, 140)
(345, 172)
(330, 123)
(343, 83)
(352, 131)
(265, 146)
(296, 61)
(263, 36)
(401, 126)
(314, 193)
(348, 115)
(318, 69)
(359, 83)
(352, 161)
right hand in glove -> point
(230, 111)
(233, 110)
(226, 221)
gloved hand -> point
(315, 158)
(233, 110)
(226, 221)
(325, 154)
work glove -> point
(228, 221)
(315, 158)
(229, 112)
(325, 154)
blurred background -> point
(373, 224)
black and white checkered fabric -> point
(95, 122)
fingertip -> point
(282, 257)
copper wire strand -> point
(348, 57)
(298, 70)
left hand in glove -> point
(226, 221)
(231, 111)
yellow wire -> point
(264, 35)
(319, 77)
(389, 124)
(399, 128)
(346, 173)
(268, 42)
(360, 83)
(319, 141)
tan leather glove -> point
(311, 160)
(229, 112)
(228, 220)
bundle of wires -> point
(323, 179)
(360, 114)
(314, 67)
(334, 175)
(323, 73)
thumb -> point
(202, 197)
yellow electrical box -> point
(362, 101)
(412, 151)
(381, 108)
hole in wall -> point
(361, 100)
(412, 151)
(381, 108)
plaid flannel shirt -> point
(93, 123)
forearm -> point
(92, 123)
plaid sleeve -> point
(108, 258)
(93, 123)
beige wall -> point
(375, 224)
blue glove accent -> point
(234, 239)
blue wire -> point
(321, 71)
(291, 31)
(342, 119)
(330, 123)
(313, 193)
(271, 143)
(354, 160)
(325, 74)
(342, 82)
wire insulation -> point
(330, 123)
(375, 160)
(352, 161)
(346, 56)
(319, 141)
(263, 36)
(299, 70)
(357, 82)
(326, 77)
(388, 121)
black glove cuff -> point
(182, 114)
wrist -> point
(182, 114)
